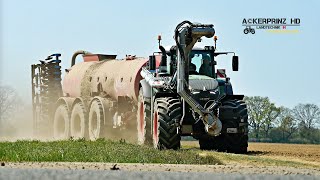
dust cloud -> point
(19, 126)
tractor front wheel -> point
(143, 120)
(166, 111)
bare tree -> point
(308, 115)
(9, 102)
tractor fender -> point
(146, 88)
(234, 96)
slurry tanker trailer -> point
(175, 92)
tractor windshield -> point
(201, 63)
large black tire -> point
(79, 122)
(96, 120)
(233, 114)
(206, 144)
(143, 120)
(61, 123)
(166, 111)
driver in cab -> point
(206, 67)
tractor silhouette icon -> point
(249, 29)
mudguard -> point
(234, 96)
(146, 88)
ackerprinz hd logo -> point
(273, 25)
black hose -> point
(176, 34)
(176, 37)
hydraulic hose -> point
(176, 37)
(213, 125)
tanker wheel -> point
(79, 123)
(166, 111)
(96, 120)
(230, 142)
(61, 123)
(143, 120)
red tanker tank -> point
(100, 95)
(113, 77)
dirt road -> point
(231, 168)
(8, 174)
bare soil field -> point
(307, 152)
(304, 154)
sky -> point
(282, 66)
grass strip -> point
(96, 151)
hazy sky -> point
(284, 67)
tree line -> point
(269, 123)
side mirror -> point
(152, 63)
(235, 63)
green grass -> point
(96, 151)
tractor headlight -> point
(214, 91)
(195, 91)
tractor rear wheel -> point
(79, 123)
(96, 120)
(234, 116)
(143, 120)
(61, 123)
(206, 144)
(166, 112)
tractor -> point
(155, 101)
